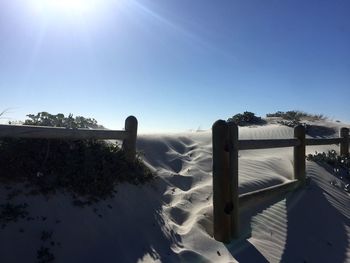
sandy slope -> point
(170, 220)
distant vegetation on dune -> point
(296, 115)
(88, 169)
(289, 118)
(286, 118)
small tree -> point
(59, 120)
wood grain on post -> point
(233, 177)
(221, 182)
(299, 154)
(129, 144)
(344, 145)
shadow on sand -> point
(313, 227)
(144, 235)
(127, 228)
(318, 131)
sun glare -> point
(69, 5)
(65, 7)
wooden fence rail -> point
(324, 141)
(226, 200)
(263, 144)
(40, 132)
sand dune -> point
(170, 219)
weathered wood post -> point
(129, 143)
(221, 182)
(233, 175)
(299, 154)
(344, 145)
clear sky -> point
(174, 64)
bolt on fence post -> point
(344, 145)
(129, 143)
(233, 170)
(299, 154)
(221, 182)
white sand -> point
(170, 219)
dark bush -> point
(245, 119)
(87, 168)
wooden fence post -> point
(233, 176)
(221, 182)
(344, 145)
(299, 154)
(129, 144)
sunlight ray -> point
(187, 34)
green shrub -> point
(290, 123)
(295, 115)
(59, 120)
(331, 158)
(85, 168)
(247, 118)
(335, 164)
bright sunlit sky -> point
(174, 64)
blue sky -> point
(174, 64)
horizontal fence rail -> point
(37, 132)
(325, 141)
(265, 144)
(253, 197)
(226, 200)
(128, 136)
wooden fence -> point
(26, 131)
(226, 200)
